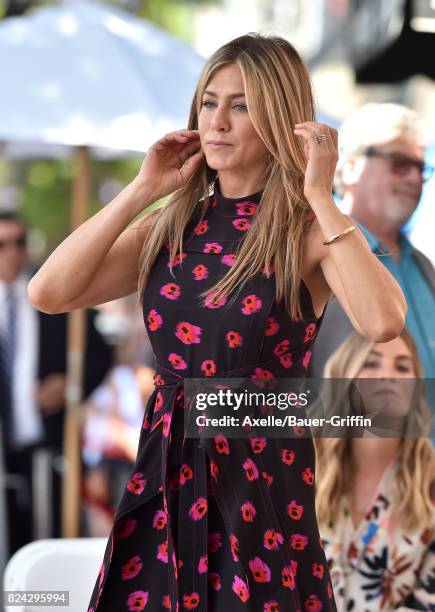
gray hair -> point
(372, 124)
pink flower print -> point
(308, 476)
(137, 601)
(298, 541)
(177, 362)
(166, 424)
(125, 528)
(258, 445)
(271, 269)
(251, 304)
(234, 544)
(174, 482)
(310, 332)
(318, 570)
(159, 401)
(208, 367)
(214, 470)
(132, 568)
(170, 291)
(234, 339)
(166, 602)
(203, 564)
(214, 302)
(268, 478)
(200, 272)
(178, 259)
(286, 360)
(272, 327)
(246, 208)
(222, 445)
(162, 552)
(248, 512)
(281, 348)
(159, 380)
(190, 602)
(272, 539)
(261, 375)
(251, 470)
(260, 570)
(306, 359)
(313, 604)
(212, 247)
(136, 484)
(295, 510)
(159, 519)
(241, 224)
(241, 589)
(214, 541)
(198, 509)
(154, 320)
(215, 581)
(288, 578)
(287, 456)
(271, 606)
(201, 228)
(188, 333)
(185, 473)
(229, 259)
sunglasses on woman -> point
(401, 164)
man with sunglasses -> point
(32, 388)
(379, 178)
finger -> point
(189, 150)
(308, 135)
(191, 165)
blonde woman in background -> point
(375, 495)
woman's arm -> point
(98, 262)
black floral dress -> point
(219, 523)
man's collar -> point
(376, 245)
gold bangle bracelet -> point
(337, 236)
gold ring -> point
(321, 138)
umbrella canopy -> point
(86, 74)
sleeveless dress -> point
(218, 523)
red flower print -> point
(174, 481)
(209, 367)
(201, 228)
(125, 528)
(295, 510)
(281, 348)
(215, 581)
(137, 601)
(177, 362)
(159, 401)
(286, 360)
(318, 570)
(178, 259)
(287, 456)
(214, 541)
(229, 259)
(222, 445)
(330, 591)
(241, 589)
(203, 564)
(234, 544)
(162, 552)
(251, 304)
(154, 320)
(260, 570)
(241, 224)
(248, 512)
(251, 470)
(271, 606)
(258, 445)
(212, 247)
(159, 380)
(306, 359)
(170, 291)
(246, 208)
(136, 484)
(272, 539)
(271, 269)
(188, 333)
(288, 578)
(185, 473)
(214, 470)
(308, 476)
(200, 272)
(214, 302)
(198, 509)
(190, 602)
(310, 331)
(298, 541)
(132, 568)
(166, 602)
(159, 519)
(166, 424)
(268, 478)
(234, 339)
(313, 604)
(272, 327)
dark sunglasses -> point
(401, 164)
(19, 242)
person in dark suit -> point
(32, 386)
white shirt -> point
(27, 420)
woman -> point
(249, 175)
(375, 495)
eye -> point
(208, 103)
(403, 368)
(370, 364)
(240, 107)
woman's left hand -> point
(321, 158)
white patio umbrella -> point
(83, 75)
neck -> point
(372, 455)
(238, 185)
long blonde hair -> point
(415, 458)
(278, 94)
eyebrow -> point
(214, 95)
(397, 356)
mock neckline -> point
(229, 205)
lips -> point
(219, 143)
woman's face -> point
(228, 137)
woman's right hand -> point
(170, 162)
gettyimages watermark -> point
(305, 407)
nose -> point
(220, 119)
